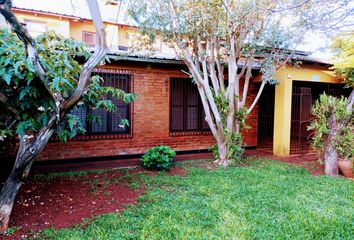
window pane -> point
(100, 123)
(186, 113)
(192, 99)
(176, 104)
(121, 81)
(80, 112)
(108, 122)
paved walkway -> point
(307, 160)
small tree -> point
(221, 42)
(333, 128)
(42, 80)
(333, 124)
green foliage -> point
(62, 60)
(241, 116)
(344, 58)
(258, 26)
(267, 200)
(222, 103)
(321, 111)
(158, 158)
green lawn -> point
(266, 200)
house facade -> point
(168, 109)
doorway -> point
(304, 95)
(266, 119)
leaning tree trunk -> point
(9, 192)
(30, 147)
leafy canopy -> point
(331, 109)
(195, 28)
(29, 104)
(344, 58)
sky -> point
(317, 43)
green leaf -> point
(7, 78)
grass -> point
(266, 200)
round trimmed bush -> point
(158, 158)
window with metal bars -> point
(187, 115)
(105, 124)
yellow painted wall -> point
(59, 25)
(283, 96)
(116, 35)
(282, 116)
(77, 27)
(126, 35)
(308, 73)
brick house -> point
(168, 110)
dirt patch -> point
(63, 201)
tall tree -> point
(42, 80)
(221, 41)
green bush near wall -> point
(158, 158)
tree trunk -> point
(222, 152)
(331, 159)
(330, 152)
(335, 131)
(18, 175)
(30, 147)
(8, 194)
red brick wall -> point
(250, 135)
(150, 122)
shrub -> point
(158, 158)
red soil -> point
(61, 202)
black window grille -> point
(187, 115)
(103, 124)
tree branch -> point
(219, 67)
(247, 81)
(249, 110)
(100, 51)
